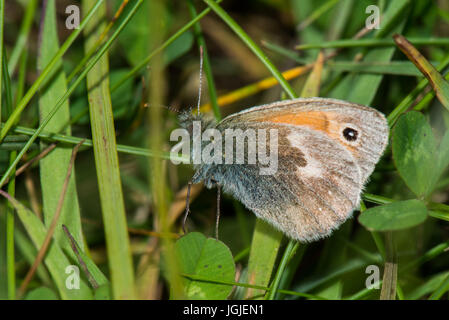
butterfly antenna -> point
(201, 79)
(172, 109)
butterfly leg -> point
(218, 210)
(189, 186)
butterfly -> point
(326, 150)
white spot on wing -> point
(313, 168)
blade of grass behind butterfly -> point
(389, 280)
(53, 167)
(106, 162)
(149, 264)
(264, 249)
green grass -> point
(104, 88)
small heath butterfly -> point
(298, 164)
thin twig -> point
(52, 227)
(83, 265)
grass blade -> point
(54, 166)
(10, 250)
(289, 252)
(350, 43)
(264, 249)
(106, 162)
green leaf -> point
(415, 153)
(209, 258)
(41, 293)
(394, 216)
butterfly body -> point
(326, 149)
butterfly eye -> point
(350, 134)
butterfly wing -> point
(320, 174)
(331, 117)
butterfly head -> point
(195, 124)
(187, 119)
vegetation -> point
(86, 184)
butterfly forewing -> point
(315, 188)
(332, 117)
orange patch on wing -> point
(315, 120)
(326, 122)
